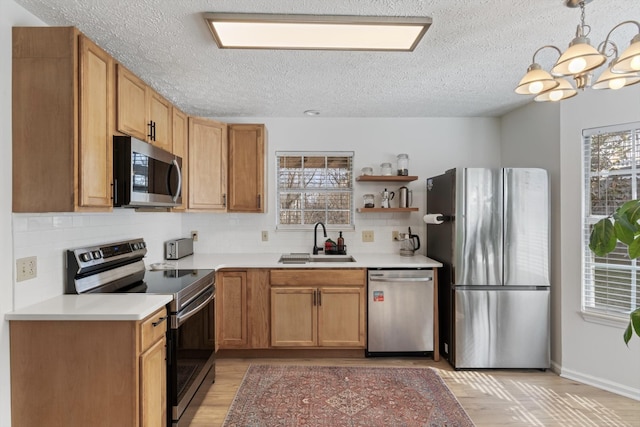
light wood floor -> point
(490, 397)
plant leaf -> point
(625, 231)
(603, 237)
(633, 212)
(634, 248)
(634, 324)
(627, 334)
(631, 204)
(635, 320)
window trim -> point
(594, 314)
(310, 153)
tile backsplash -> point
(48, 236)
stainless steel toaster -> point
(178, 248)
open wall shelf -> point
(387, 178)
(387, 210)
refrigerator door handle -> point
(399, 279)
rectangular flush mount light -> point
(316, 32)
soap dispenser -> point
(341, 244)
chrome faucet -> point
(317, 249)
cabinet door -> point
(293, 317)
(95, 139)
(162, 119)
(231, 300)
(180, 143)
(153, 386)
(132, 105)
(246, 168)
(341, 317)
(207, 165)
(258, 312)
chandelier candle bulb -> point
(580, 60)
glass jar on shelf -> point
(403, 164)
(368, 201)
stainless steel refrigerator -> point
(493, 288)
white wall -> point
(530, 137)
(433, 144)
(591, 353)
(10, 14)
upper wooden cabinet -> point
(62, 118)
(142, 112)
(180, 129)
(207, 165)
(246, 168)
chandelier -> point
(579, 61)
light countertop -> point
(132, 307)
(112, 307)
(270, 260)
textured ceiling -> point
(467, 64)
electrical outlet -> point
(367, 235)
(194, 236)
(395, 234)
(265, 236)
(26, 268)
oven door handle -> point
(183, 316)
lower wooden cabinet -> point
(89, 373)
(242, 309)
(318, 308)
(294, 308)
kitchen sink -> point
(304, 258)
(331, 258)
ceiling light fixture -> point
(579, 61)
(316, 32)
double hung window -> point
(313, 187)
(611, 178)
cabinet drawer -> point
(318, 277)
(151, 333)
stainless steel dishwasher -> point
(400, 312)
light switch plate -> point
(265, 236)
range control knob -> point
(85, 256)
(96, 254)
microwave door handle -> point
(179, 190)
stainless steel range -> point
(119, 268)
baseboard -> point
(623, 390)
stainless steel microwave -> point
(144, 175)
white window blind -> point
(611, 172)
(314, 186)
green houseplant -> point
(622, 226)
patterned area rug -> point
(272, 395)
